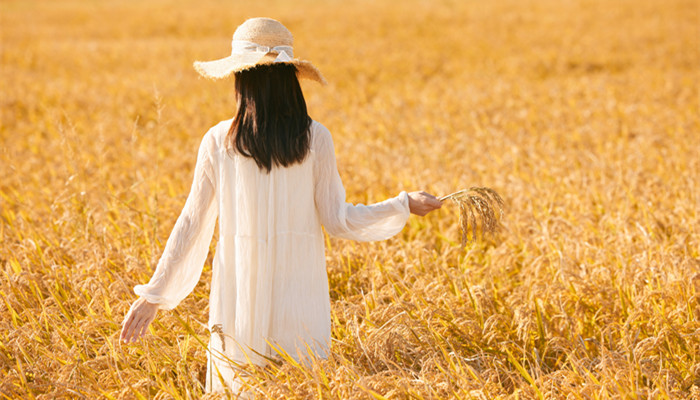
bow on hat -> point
(244, 47)
(252, 42)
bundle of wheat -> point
(480, 210)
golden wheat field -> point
(584, 115)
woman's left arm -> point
(180, 266)
(360, 222)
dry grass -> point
(583, 114)
(480, 209)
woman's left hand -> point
(140, 315)
(421, 203)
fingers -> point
(137, 321)
(144, 328)
(421, 203)
(128, 331)
(434, 202)
(136, 330)
(129, 323)
(126, 326)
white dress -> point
(269, 281)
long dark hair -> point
(272, 124)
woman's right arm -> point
(360, 222)
(180, 266)
(182, 261)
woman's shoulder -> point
(317, 127)
(215, 136)
(320, 135)
(219, 131)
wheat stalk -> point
(478, 206)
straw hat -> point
(258, 41)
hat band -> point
(248, 49)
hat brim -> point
(224, 67)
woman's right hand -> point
(136, 322)
(421, 203)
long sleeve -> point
(360, 222)
(181, 264)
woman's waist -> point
(267, 236)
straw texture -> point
(263, 32)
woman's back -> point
(266, 203)
(270, 176)
(271, 244)
(269, 281)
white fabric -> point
(269, 281)
(251, 53)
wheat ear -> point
(478, 206)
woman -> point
(270, 176)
